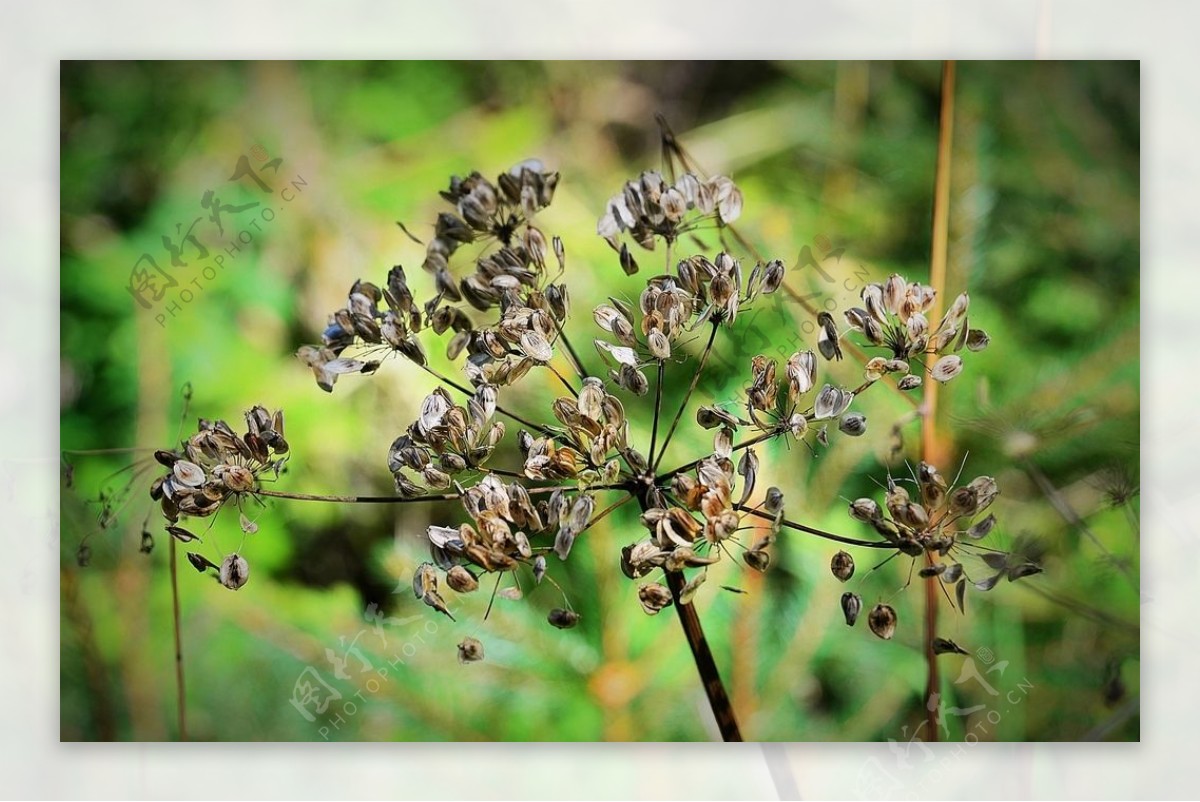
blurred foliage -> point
(1044, 234)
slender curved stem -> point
(657, 406)
(929, 444)
(867, 544)
(180, 696)
(467, 392)
(712, 335)
(533, 491)
(710, 677)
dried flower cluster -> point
(894, 318)
(505, 314)
(216, 466)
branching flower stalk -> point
(504, 317)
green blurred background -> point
(1044, 229)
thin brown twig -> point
(467, 392)
(929, 441)
(415, 499)
(712, 335)
(868, 544)
(180, 696)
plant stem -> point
(714, 688)
(868, 544)
(929, 442)
(180, 698)
(415, 499)
(712, 335)
(469, 393)
(657, 405)
(576, 362)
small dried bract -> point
(470, 650)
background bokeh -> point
(1044, 234)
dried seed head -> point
(842, 566)
(882, 621)
(851, 607)
(470, 650)
(234, 571)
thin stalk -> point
(929, 440)
(868, 544)
(712, 335)
(467, 392)
(662, 477)
(775, 432)
(1068, 514)
(706, 665)
(657, 405)
(576, 362)
(415, 499)
(574, 393)
(714, 688)
(180, 697)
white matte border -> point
(33, 37)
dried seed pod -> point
(654, 597)
(865, 509)
(539, 569)
(851, 607)
(181, 534)
(909, 382)
(827, 339)
(946, 368)
(200, 562)
(853, 424)
(937, 569)
(234, 571)
(842, 566)
(563, 619)
(689, 590)
(470, 650)
(461, 580)
(758, 559)
(977, 340)
(882, 620)
(188, 473)
(773, 503)
(947, 646)
(982, 528)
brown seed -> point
(882, 621)
(947, 646)
(654, 597)
(842, 566)
(461, 580)
(851, 606)
(470, 650)
(563, 619)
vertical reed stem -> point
(929, 442)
